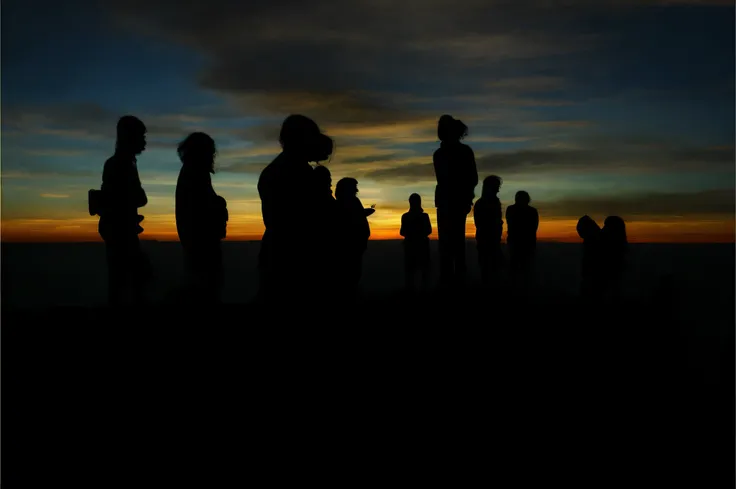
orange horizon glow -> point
(248, 228)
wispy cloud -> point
(55, 196)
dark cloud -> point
(91, 121)
(585, 160)
(373, 158)
(337, 61)
(643, 206)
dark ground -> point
(479, 388)
(535, 392)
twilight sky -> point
(594, 107)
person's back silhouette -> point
(488, 217)
(354, 233)
(591, 266)
(286, 187)
(457, 176)
(121, 196)
(201, 216)
(522, 222)
(416, 228)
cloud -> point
(54, 196)
(644, 206)
(56, 152)
(591, 159)
(564, 123)
(91, 122)
(348, 63)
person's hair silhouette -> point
(457, 176)
(323, 179)
(198, 149)
(287, 187)
(416, 228)
(201, 216)
(488, 217)
(121, 194)
(522, 222)
(301, 135)
(450, 129)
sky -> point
(612, 107)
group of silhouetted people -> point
(314, 239)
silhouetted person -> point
(457, 176)
(327, 231)
(614, 248)
(416, 228)
(488, 217)
(121, 196)
(591, 266)
(354, 232)
(522, 222)
(286, 188)
(201, 216)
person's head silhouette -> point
(302, 137)
(491, 185)
(131, 135)
(415, 202)
(587, 227)
(323, 177)
(522, 198)
(198, 150)
(615, 228)
(450, 130)
(346, 188)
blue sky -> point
(627, 104)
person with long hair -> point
(416, 228)
(201, 216)
(287, 188)
(488, 217)
(354, 232)
(457, 176)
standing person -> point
(614, 248)
(128, 268)
(488, 217)
(416, 228)
(327, 230)
(591, 266)
(457, 176)
(286, 188)
(354, 232)
(522, 222)
(201, 216)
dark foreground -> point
(526, 393)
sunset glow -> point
(599, 108)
